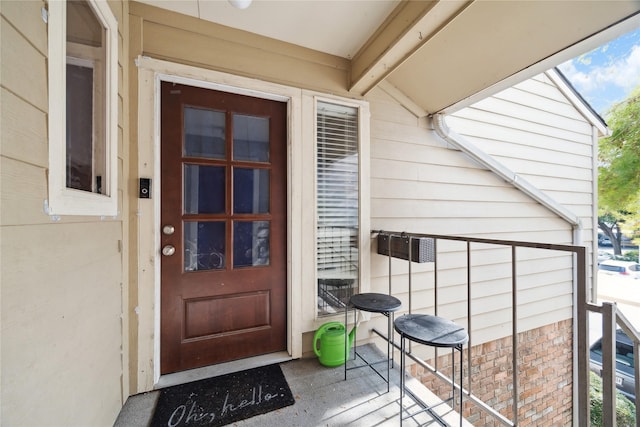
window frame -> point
(63, 200)
(364, 211)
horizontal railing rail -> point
(579, 264)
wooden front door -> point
(223, 227)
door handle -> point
(168, 250)
(168, 230)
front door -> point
(223, 227)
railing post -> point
(581, 373)
(636, 364)
(435, 292)
(469, 323)
(389, 252)
(608, 364)
(514, 333)
(410, 256)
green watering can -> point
(332, 339)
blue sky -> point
(606, 75)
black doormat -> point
(222, 400)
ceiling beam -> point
(410, 26)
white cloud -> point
(629, 75)
(583, 82)
(623, 72)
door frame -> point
(150, 73)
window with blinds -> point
(337, 205)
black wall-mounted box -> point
(422, 248)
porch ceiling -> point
(434, 55)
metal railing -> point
(580, 326)
(612, 317)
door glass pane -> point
(204, 245)
(250, 243)
(250, 138)
(204, 133)
(204, 189)
(250, 191)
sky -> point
(608, 74)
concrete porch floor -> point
(324, 398)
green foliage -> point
(625, 410)
(629, 256)
(619, 154)
(619, 171)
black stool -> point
(374, 303)
(436, 332)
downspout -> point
(482, 158)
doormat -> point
(223, 400)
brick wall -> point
(545, 377)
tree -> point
(619, 172)
(611, 224)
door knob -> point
(168, 229)
(168, 250)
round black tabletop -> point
(431, 330)
(375, 303)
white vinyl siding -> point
(420, 184)
(536, 132)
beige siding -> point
(419, 184)
(24, 69)
(24, 130)
(536, 132)
(62, 278)
(221, 48)
(61, 324)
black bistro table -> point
(373, 303)
(436, 332)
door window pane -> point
(250, 138)
(250, 243)
(250, 191)
(204, 133)
(204, 245)
(204, 189)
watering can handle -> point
(321, 330)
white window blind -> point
(337, 205)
